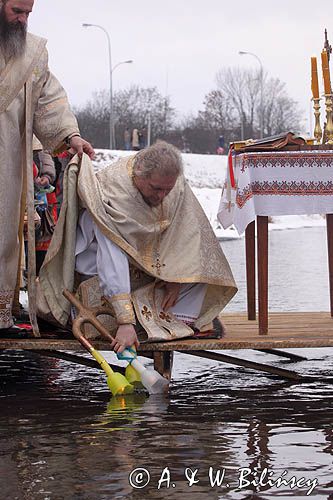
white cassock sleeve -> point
(96, 254)
(112, 266)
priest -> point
(135, 234)
(31, 100)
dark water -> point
(64, 437)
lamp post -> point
(129, 61)
(87, 25)
(111, 69)
(243, 53)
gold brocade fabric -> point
(25, 79)
(172, 242)
(122, 307)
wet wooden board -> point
(286, 330)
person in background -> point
(220, 145)
(142, 138)
(45, 198)
(61, 161)
(135, 140)
(127, 139)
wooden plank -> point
(329, 227)
(262, 342)
(287, 330)
(72, 358)
(250, 254)
(283, 354)
(262, 264)
(280, 372)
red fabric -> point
(51, 198)
(34, 170)
(65, 154)
(231, 168)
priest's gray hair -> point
(161, 157)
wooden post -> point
(329, 227)
(250, 253)
(262, 256)
(163, 361)
(280, 372)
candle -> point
(314, 78)
(326, 72)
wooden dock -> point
(286, 330)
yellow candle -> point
(326, 72)
(314, 78)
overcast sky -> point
(179, 45)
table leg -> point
(329, 226)
(250, 270)
(262, 256)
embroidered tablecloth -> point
(276, 183)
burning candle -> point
(314, 78)
(326, 72)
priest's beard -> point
(12, 37)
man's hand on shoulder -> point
(80, 146)
(126, 337)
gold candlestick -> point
(317, 130)
(329, 119)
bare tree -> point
(232, 110)
(281, 113)
(131, 108)
(241, 88)
(94, 120)
(218, 112)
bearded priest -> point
(31, 101)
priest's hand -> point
(80, 146)
(126, 337)
(171, 293)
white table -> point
(260, 185)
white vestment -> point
(172, 242)
(97, 255)
(31, 100)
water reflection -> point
(298, 270)
(72, 447)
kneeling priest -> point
(134, 236)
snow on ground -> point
(206, 174)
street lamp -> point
(87, 25)
(111, 69)
(243, 53)
(129, 61)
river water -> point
(223, 433)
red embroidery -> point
(283, 160)
(284, 188)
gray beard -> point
(12, 37)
